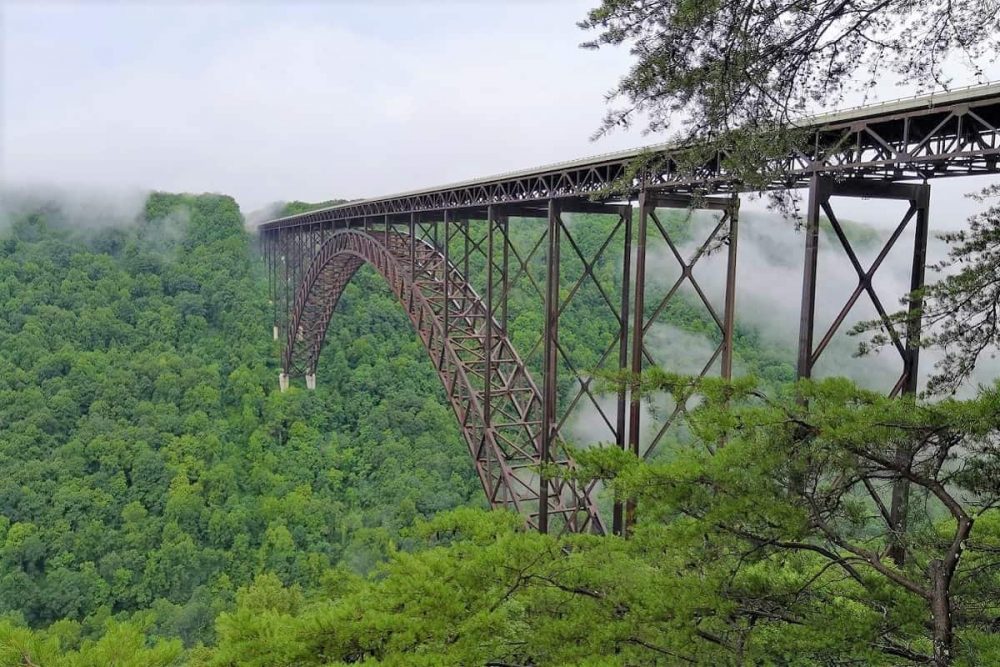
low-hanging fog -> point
(77, 207)
(768, 299)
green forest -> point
(163, 504)
(149, 470)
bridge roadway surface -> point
(511, 424)
(919, 138)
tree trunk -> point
(940, 613)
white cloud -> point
(305, 104)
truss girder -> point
(927, 141)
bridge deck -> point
(931, 136)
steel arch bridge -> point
(429, 244)
(498, 405)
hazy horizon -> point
(311, 101)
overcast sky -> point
(279, 101)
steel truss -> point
(728, 223)
(510, 424)
(504, 416)
(451, 258)
(905, 343)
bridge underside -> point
(511, 424)
(455, 257)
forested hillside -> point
(146, 463)
(162, 504)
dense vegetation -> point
(162, 504)
(146, 462)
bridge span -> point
(453, 256)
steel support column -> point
(488, 324)
(272, 259)
(916, 304)
(447, 274)
(618, 518)
(819, 191)
(413, 247)
(285, 261)
(466, 241)
(550, 352)
(505, 269)
(638, 322)
(898, 509)
(729, 317)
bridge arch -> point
(496, 402)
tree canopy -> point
(713, 67)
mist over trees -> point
(147, 464)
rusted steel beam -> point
(446, 274)
(413, 246)
(505, 273)
(488, 323)
(915, 306)
(638, 330)
(819, 192)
